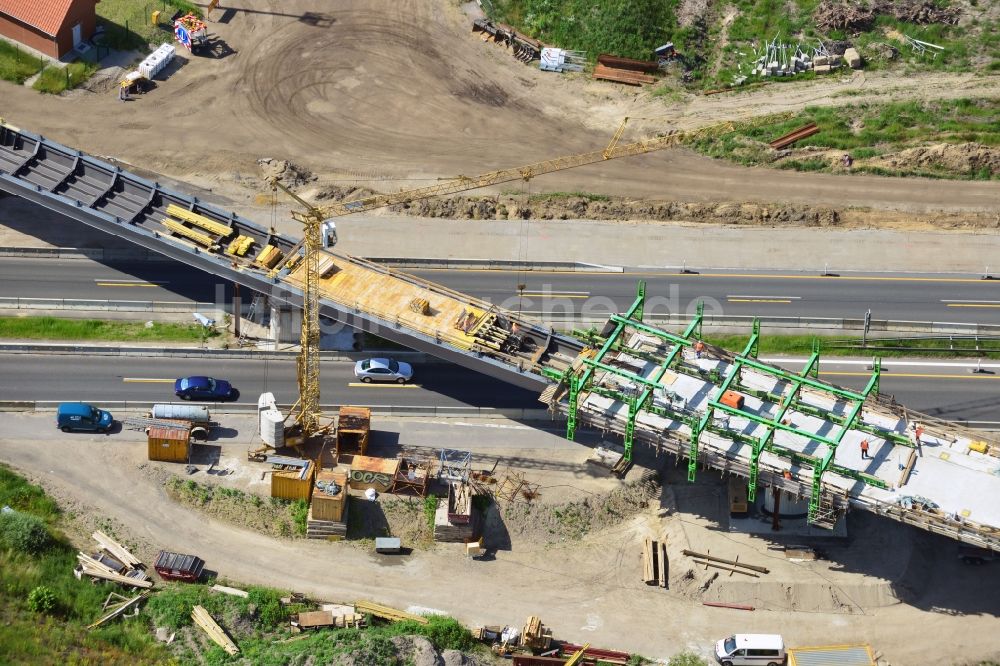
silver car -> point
(383, 370)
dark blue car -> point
(204, 388)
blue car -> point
(81, 416)
(204, 388)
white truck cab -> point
(751, 650)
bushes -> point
(42, 600)
(54, 80)
(24, 533)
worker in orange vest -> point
(699, 347)
(864, 449)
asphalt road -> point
(916, 297)
(946, 389)
(95, 378)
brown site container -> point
(169, 444)
(377, 473)
(353, 428)
(296, 484)
(330, 507)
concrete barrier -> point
(118, 408)
(97, 306)
(495, 265)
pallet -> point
(654, 562)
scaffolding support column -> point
(633, 412)
(640, 298)
(574, 397)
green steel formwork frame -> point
(699, 426)
(578, 382)
(650, 384)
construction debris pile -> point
(854, 15)
(776, 58)
(626, 70)
(521, 46)
(112, 562)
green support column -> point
(696, 429)
(812, 368)
(751, 350)
(633, 412)
(699, 315)
(640, 298)
(574, 397)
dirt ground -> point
(885, 584)
(395, 94)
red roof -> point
(45, 15)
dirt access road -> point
(587, 590)
(403, 90)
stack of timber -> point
(205, 620)
(655, 569)
(387, 612)
(116, 605)
(535, 636)
(625, 70)
(454, 519)
(595, 655)
(732, 566)
(323, 619)
(331, 530)
(112, 562)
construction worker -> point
(864, 449)
(699, 347)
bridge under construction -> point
(840, 449)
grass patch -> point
(269, 515)
(843, 345)
(16, 65)
(629, 28)
(870, 130)
(54, 80)
(53, 328)
(555, 196)
(430, 508)
(128, 25)
(43, 607)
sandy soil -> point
(382, 91)
(886, 585)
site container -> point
(327, 504)
(296, 484)
(169, 444)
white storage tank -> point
(193, 413)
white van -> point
(751, 650)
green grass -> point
(16, 65)
(54, 80)
(60, 635)
(844, 345)
(53, 328)
(877, 128)
(128, 25)
(629, 28)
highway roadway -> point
(946, 389)
(914, 297)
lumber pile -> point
(116, 605)
(654, 562)
(732, 566)
(112, 562)
(331, 530)
(535, 636)
(205, 620)
(387, 612)
(626, 76)
(323, 619)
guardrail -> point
(98, 305)
(202, 352)
(95, 253)
(120, 406)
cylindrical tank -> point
(791, 507)
(193, 413)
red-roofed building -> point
(53, 27)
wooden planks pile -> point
(625, 76)
(325, 619)
(448, 532)
(654, 562)
(387, 612)
(205, 620)
(120, 605)
(113, 563)
(535, 635)
(732, 566)
(331, 530)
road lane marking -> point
(966, 300)
(694, 274)
(886, 362)
(972, 305)
(382, 385)
(790, 298)
(758, 300)
(910, 375)
(148, 380)
(126, 284)
(555, 294)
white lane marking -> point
(965, 300)
(791, 298)
(888, 362)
